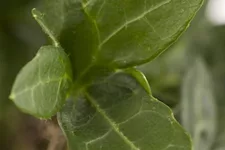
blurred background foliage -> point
(189, 77)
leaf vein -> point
(97, 139)
(33, 87)
(111, 122)
(133, 116)
(58, 92)
(132, 21)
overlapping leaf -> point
(119, 114)
(42, 85)
(117, 33)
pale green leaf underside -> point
(199, 106)
(117, 33)
(42, 85)
(119, 114)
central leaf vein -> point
(110, 121)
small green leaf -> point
(42, 86)
(199, 106)
(119, 114)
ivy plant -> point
(87, 75)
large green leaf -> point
(119, 114)
(199, 106)
(114, 32)
(42, 85)
(134, 31)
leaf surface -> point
(119, 114)
(133, 31)
(42, 85)
(118, 33)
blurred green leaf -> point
(198, 106)
(216, 48)
(119, 114)
(42, 85)
(207, 41)
(219, 144)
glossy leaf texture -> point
(199, 115)
(117, 33)
(42, 86)
(119, 114)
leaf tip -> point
(12, 96)
(35, 13)
(39, 17)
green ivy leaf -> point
(42, 86)
(199, 106)
(117, 33)
(119, 114)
